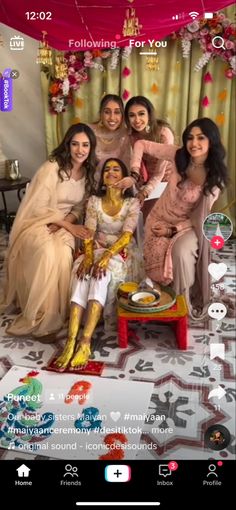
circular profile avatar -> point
(217, 225)
(217, 437)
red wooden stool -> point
(176, 315)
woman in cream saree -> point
(39, 257)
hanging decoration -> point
(126, 52)
(126, 72)
(44, 55)
(204, 31)
(152, 63)
(222, 95)
(61, 69)
(208, 78)
(114, 59)
(71, 71)
(220, 119)
(125, 95)
(154, 88)
(205, 102)
(131, 26)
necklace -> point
(196, 165)
(107, 142)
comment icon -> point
(164, 470)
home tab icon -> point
(23, 471)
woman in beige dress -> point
(39, 257)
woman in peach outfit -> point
(199, 174)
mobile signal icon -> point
(181, 15)
(193, 14)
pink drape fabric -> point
(96, 24)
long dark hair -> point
(217, 172)
(155, 124)
(63, 156)
(101, 190)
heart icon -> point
(217, 270)
(115, 415)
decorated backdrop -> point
(186, 79)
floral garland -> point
(204, 32)
(77, 65)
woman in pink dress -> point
(142, 124)
(111, 133)
(199, 174)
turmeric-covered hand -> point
(84, 269)
(100, 267)
(87, 262)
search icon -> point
(218, 42)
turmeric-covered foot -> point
(81, 357)
(63, 360)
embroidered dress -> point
(152, 170)
(184, 207)
(114, 144)
(124, 266)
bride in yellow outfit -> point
(110, 257)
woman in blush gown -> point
(175, 250)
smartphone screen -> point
(153, 411)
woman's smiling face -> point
(138, 117)
(111, 116)
(112, 173)
(79, 148)
(197, 145)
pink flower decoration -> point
(229, 45)
(126, 72)
(125, 94)
(208, 78)
(193, 27)
(205, 102)
(229, 74)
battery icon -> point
(208, 15)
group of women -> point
(92, 188)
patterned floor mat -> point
(179, 411)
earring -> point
(103, 188)
(147, 128)
(100, 123)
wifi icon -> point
(193, 14)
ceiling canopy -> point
(100, 23)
